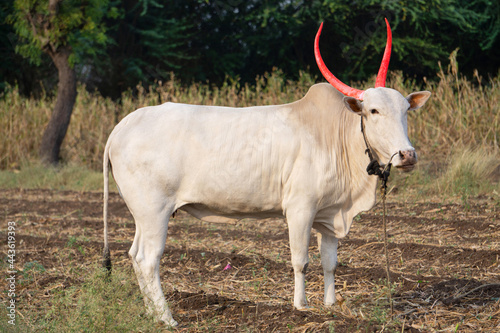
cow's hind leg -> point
(146, 251)
(142, 284)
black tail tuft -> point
(106, 260)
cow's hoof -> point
(172, 323)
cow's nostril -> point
(408, 156)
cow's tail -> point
(106, 256)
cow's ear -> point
(418, 99)
(353, 104)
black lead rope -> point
(374, 168)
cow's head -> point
(383, 111)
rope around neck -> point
(374, 167)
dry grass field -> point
(460, 113)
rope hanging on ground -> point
(383, 173)
(387, 267)
(384, 176)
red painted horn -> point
(343, 88)
(384, 66)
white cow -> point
(305, 161)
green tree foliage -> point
(212, 39)
(429, 31)
(148, 43)
(15, 69)
(76, 25)
(203, 40)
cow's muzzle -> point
(408, 160)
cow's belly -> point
(210, 214)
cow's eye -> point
(374, 111)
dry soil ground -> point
(444, 260)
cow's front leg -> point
(328, 250)
(299, 230)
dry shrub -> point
(93, 119)
(21, 120)
(470, 172)
(460, 113)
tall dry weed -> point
(21, 121)
(93, 119)
(460, 113)
(470, 172)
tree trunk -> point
(59, 121)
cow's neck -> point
(363, 186)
